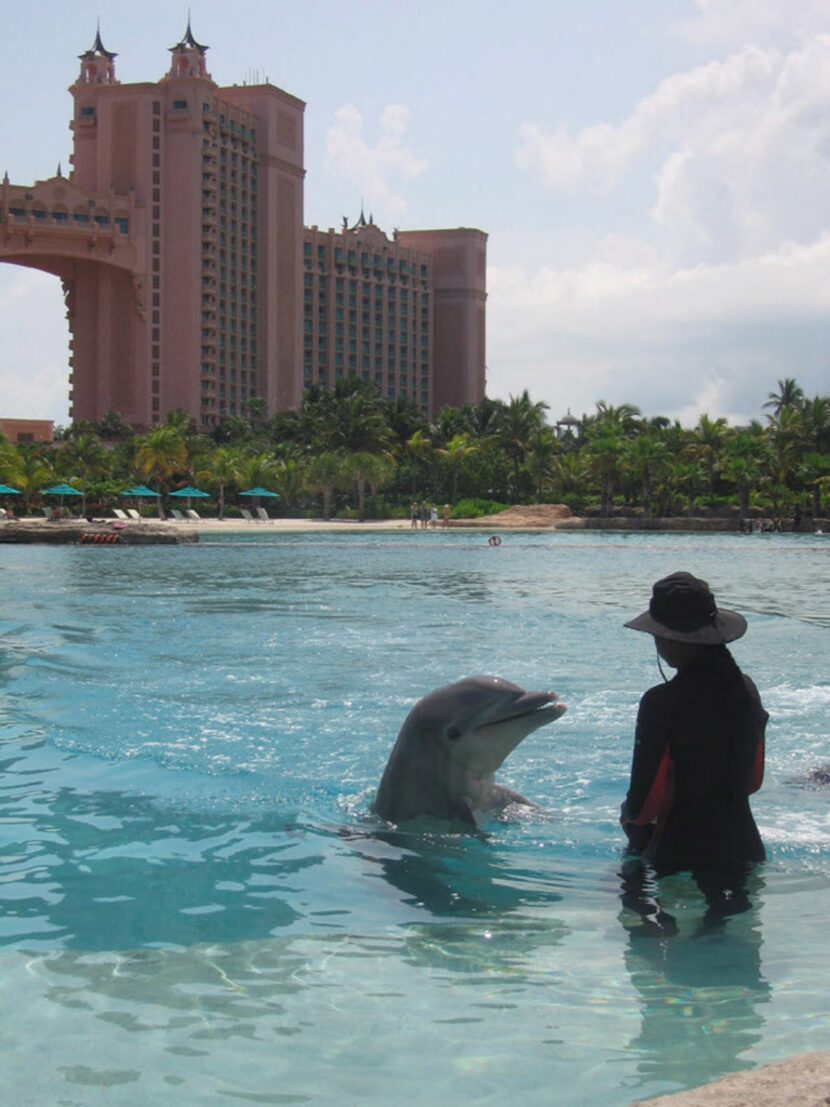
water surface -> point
(197, 908)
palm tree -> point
(815, 419)
(222, 468)
(481, 420)
(515, 426)
(82, 456)
(679, 485)
(815, 472)
(324, 475)
(456, 452)
(289, 479)
(421, 449)
(29, 474)
(258, 470)
(570, 476)
(9, 459)
(380, 472)
(160, 455)
(543, 448)
(623, 420)
(351, 417)
(710, 436)
(112, 426)
(605, 451)
(645, 455)
(363, 469)
(789, 394)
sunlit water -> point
(195, 906)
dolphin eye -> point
(453, 733)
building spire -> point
(97, 63)
(189, 41)
(188, 56)
(98, 49)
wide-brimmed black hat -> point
(683, 608)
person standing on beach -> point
(433, 516)
(414, 511)
(445, 520)
(698, 753)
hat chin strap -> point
(660, 663)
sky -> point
(653, 175)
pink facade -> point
(27, 430)
(179, 240)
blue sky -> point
(654, 175)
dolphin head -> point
(453, 741)
(479, 720)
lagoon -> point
(195, 906)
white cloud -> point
(374, 170)
(733, 23)
(743, 146)
(33, 350)
(687, 107)
(710, 338)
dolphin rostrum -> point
(451, 744)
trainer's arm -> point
(650, 762)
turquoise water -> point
(195, 906)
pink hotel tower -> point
(190, 280)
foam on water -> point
(195, 902)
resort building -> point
(27, 431)
(190, 280)
(406, 313)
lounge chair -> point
(194, 515)
(122, 515)
(263, 515)
(133, 514)
(246, 515)
(177, 515)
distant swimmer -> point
(699, 748)
(813, 778)
(450, 746)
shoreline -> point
(165, 531)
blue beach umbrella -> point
(261, 492)
(258, 492)
(190, 492)
(62, 489)
(140, 491)
(6, 491)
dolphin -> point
(450, 746)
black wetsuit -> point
(698, 755)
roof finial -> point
(60, 171)
(189, 40)
(98, 46)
